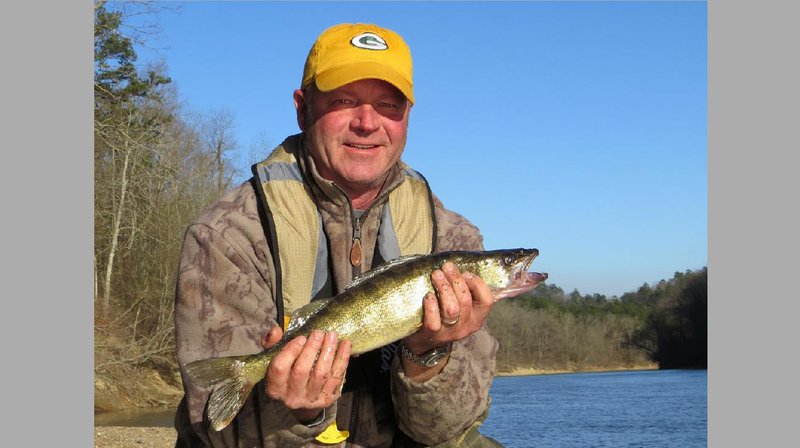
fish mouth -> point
(522, 281)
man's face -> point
(355, 133)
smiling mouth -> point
(360, 147)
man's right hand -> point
(307, 387)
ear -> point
(300, 109)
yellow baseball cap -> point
(350, 52)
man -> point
(329, 204)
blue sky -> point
(578, 128)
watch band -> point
(428, 359)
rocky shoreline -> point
(583, 369)
(138, 436)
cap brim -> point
(339, 76)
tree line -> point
(547, 329)
(157, 165)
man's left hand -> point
(458, 309)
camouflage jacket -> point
(224, 306)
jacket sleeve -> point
(223, 307)
(446, 405)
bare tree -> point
(219, 137)
(128, 141)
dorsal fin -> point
(301, 315)
(382, 268)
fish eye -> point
(508, 260)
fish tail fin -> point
(209, 372)
(232, 381)
(226, 401)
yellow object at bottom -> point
(332, 434)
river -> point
(653, 408)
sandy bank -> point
(535, 371)
(138, 436)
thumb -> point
(272, 337)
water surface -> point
(654, 408)
(136, 417)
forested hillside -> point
(156, 167)
(551, 330)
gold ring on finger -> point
(450, 323)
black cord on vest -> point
(268, 224)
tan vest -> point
(293, 226)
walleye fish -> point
(377, 308)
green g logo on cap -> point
(369, 41)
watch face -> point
(427, 359)
(434, 358)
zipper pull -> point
(355, 251)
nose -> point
(365, 118)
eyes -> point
(348, 102)
(508, 260)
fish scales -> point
(377, 312)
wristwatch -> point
(428, 359)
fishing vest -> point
(299, 245)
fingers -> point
(463, 302)
(449, 287)
(482, 297)
(281, 367)
(446, 314)
(301, 371)
(308, 372)
(431, 316)
(322, 367)
(333, 387)
(461, 293)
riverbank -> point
(139, 436)
(127, 389)
(535, 371)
